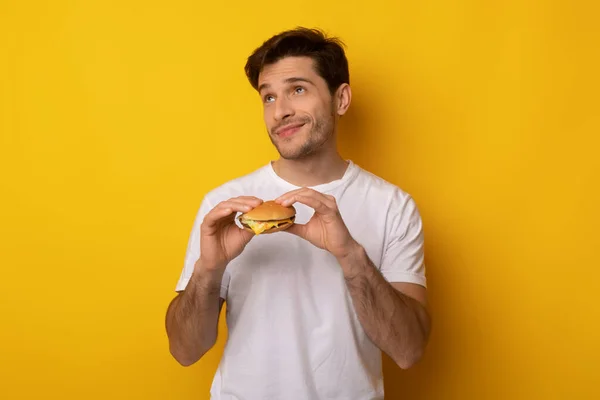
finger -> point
(297, 229)
(313, 202)
(286, 199)
(329, 201)
(252, 203)
(246, 235)
(289, 194)
(223, 210)
(250, 200)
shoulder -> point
(394, 209)
(381, 189)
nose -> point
(283, 109)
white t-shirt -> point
(293, 333)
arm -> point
(393, 315)
(193, 316)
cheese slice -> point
(259, 227)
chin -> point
(296, 153)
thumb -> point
(297, 229)
(244, 234)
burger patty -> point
(260, 226)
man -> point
(309, 309)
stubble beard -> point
(320, 133)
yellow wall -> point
(117, 116)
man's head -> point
(303, 80)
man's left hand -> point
(326, 229)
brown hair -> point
(327, 53)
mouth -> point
(288, 130)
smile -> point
(288, 130)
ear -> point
(343, 97)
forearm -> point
(192, 317)
(396, 323)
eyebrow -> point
(294, 79)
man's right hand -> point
(221, 240)
(193, 316)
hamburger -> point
(269, 217)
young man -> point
(309, 309)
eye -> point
(268, 98)
(299, 90)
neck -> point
(311, 171)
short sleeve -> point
(403, 257)
(192, 253)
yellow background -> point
(117, 116)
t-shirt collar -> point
(349, 174)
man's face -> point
(299, 110)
